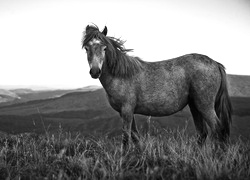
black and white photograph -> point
(112, 89)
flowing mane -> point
(118, 62)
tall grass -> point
(167, 155)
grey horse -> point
(160, 88)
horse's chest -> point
(115, 102)
(117, 99)
(120, 93)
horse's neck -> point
(109, 80)
(106, 78)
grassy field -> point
(167, 155)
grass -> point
(167, 155)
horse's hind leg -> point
(215, 125)
(207, 112)
(200, 124)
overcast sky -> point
(40, 40)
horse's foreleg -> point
(134, 132)
(127, 118)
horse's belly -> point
(161, 106)
(156, 111)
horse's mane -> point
(118, 62)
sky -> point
(40, 40)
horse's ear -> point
(105, 31)
(87, 27)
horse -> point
(160, 88)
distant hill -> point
(7, 96)
(73, 101)
(22, 91)
(6, 99)
(25, 95)
(8, 93)
(86, 111)
(239, 85)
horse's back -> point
(196, 68)
(188, 70)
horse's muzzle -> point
(95, 73)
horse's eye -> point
(86, 48)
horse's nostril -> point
(91, 72)
(95, 72)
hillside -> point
(239, 86)
(4, 99)
(74, 101)
(7, 96)
(15, 96)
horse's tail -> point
(223, 106)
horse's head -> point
(109, 52)
(96, 50)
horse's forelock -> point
(91, 31)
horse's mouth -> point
(95, 76)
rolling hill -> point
(7, 96)
(239, 86)
(14, 96)
(88, 111)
